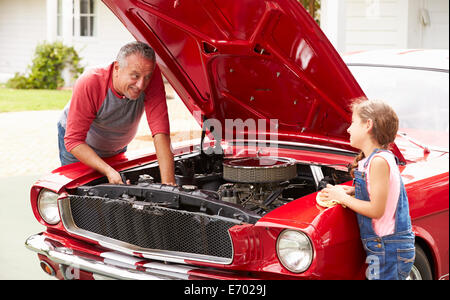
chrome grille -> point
(151, 227)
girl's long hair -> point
(385, 123)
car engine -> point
(243, 188)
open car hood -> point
(249, 59)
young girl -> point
(380, 199)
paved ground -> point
(17, 223)
(29, 150)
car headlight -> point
(294, 250)
(48, 206)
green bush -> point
(49, 61)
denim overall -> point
(391, 256)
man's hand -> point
(114, 177)
(87, 155)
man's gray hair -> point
(132, 48)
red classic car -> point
(272, 96)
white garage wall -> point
(354, 25)
(435, 34)
(22, 27)
(374, 24)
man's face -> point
(132, 79)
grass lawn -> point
(23, 100)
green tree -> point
(49, 61)
(313, 7)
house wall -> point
(374, 24)
(98, 50)
(102, 49)
(354, 25)
(435, 34)
(22, 27)
(25, 23)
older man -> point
(107, 104)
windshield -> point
(419, 97)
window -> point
(419, 97)
(84, 18)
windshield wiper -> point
(426, 149)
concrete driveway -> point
(17, 222)
(29, 150)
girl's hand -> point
(336, 193)
(350, 190)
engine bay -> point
(243, 188)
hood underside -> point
(249, 59)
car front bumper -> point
(56, 253)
